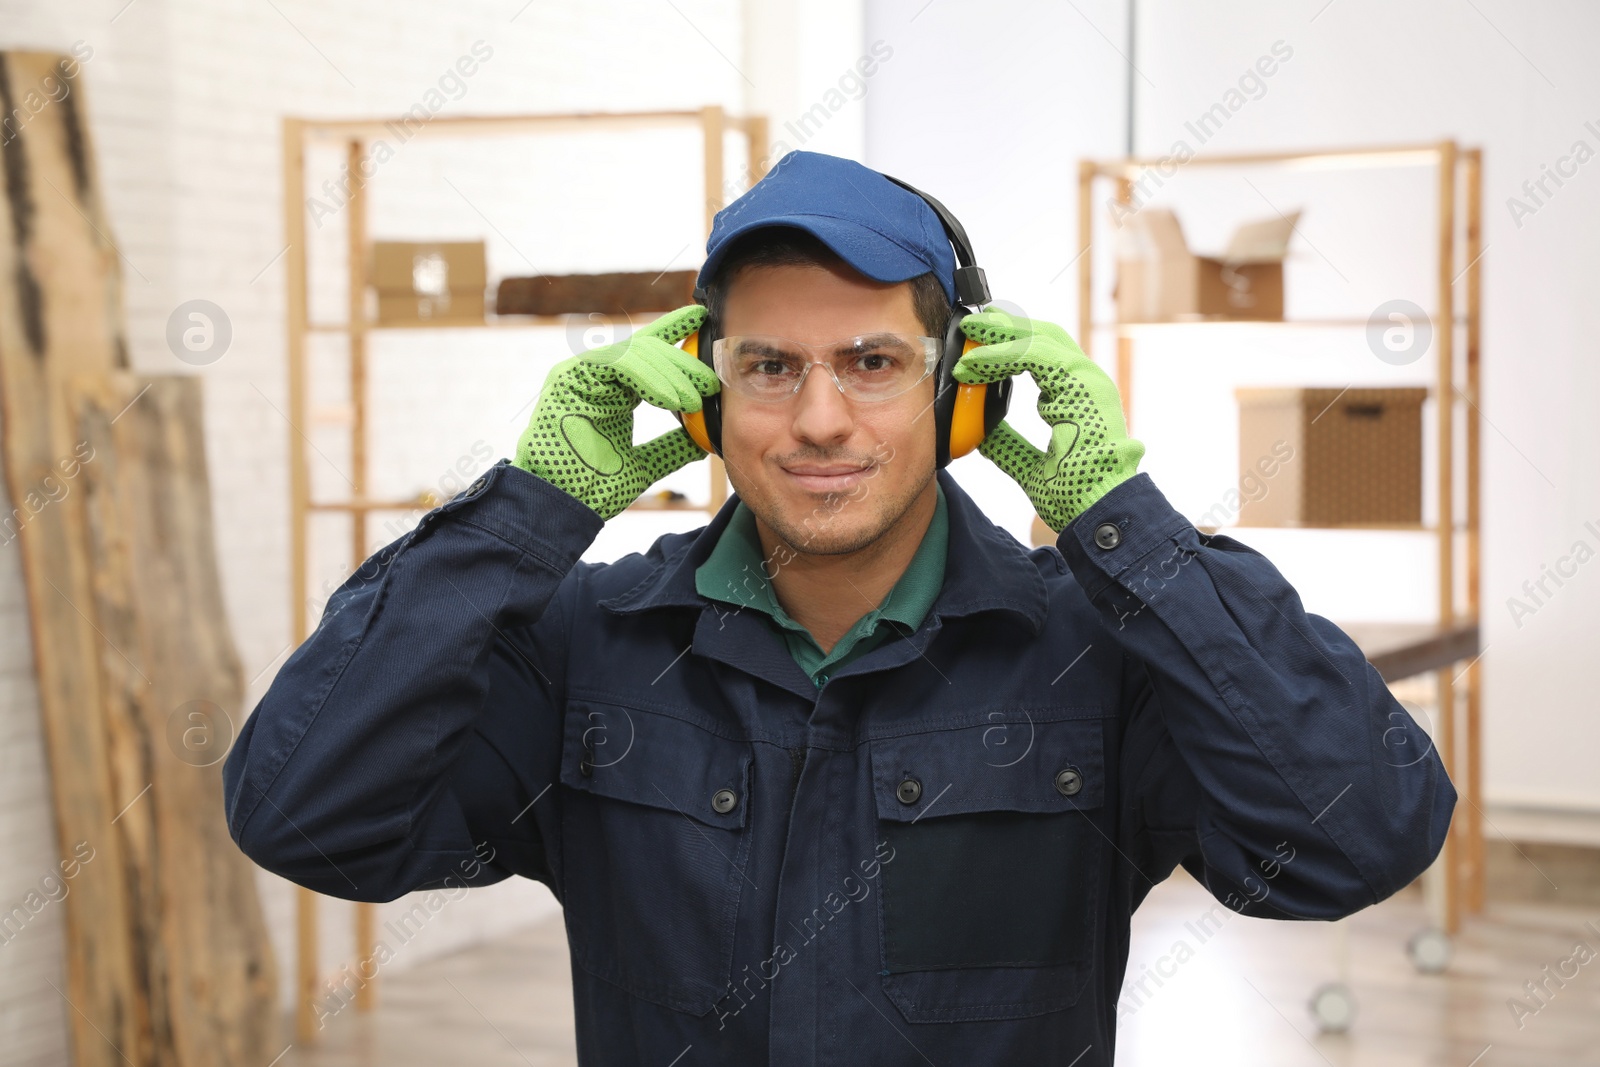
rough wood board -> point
(166, 955)
(175, 697)
(60, 313)
(606, 294)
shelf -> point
(1412, 155)
(1314, 324)
(1453, 363)
(492, 125)
(352, 506)
(356, 136)
(362, 506)
(492, 322)
(680, 505)
(1342, 527)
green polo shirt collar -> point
(734, 573)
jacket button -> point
(585, 768)
(475, 486)
(1068, 782)
(909, 791)
(724, 801)
(1107, 536)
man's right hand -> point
(580, 438)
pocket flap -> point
(648, 757)
(1012, 761)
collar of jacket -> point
(986, 569)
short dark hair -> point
(787, 246)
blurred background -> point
(1300, 223)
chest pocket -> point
(655, 842)
(991, 897)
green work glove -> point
(1090, 451)
(580, 438)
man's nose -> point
(822, 412)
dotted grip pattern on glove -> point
(580, 438)
(1090, 452)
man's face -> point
(778, 455)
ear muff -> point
(964, 413)
(705, 425)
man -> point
(847, 776)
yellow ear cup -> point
(966, 418)
(695, 421)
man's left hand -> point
(1090, 452)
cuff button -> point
(1107, 536)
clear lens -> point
(869, 368)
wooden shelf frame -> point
(1457, 244)
(299, 134)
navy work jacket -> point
(932, 858)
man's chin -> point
(811, 533)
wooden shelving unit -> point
(298, 135)
(1397, 650)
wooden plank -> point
(1403, 650)
(295, 267)
(712, 125)
(1086, 173)
(1476, 858)
(500, 125)
(617, 293)
(756, 146)
(173, 693)
(1306, 159)
(59, 313)
(166, 952)
(1444, 338)
(1124, 343)
(356, 265)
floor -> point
(1237, 997)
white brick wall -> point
(33, 1025)
(185, 101)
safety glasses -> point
(868, 368)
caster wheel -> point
(1429, 951)
(1334, 1007)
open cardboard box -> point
(1160, 280)
(429, 281)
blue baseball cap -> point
(882, 229)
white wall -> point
(185, 101)
(1519, 81)
(32, 1015)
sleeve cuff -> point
(526, 511)
(1118, 531)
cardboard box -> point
(1330, 457)
(429, 281)
(1160, 280)
(395, 308)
